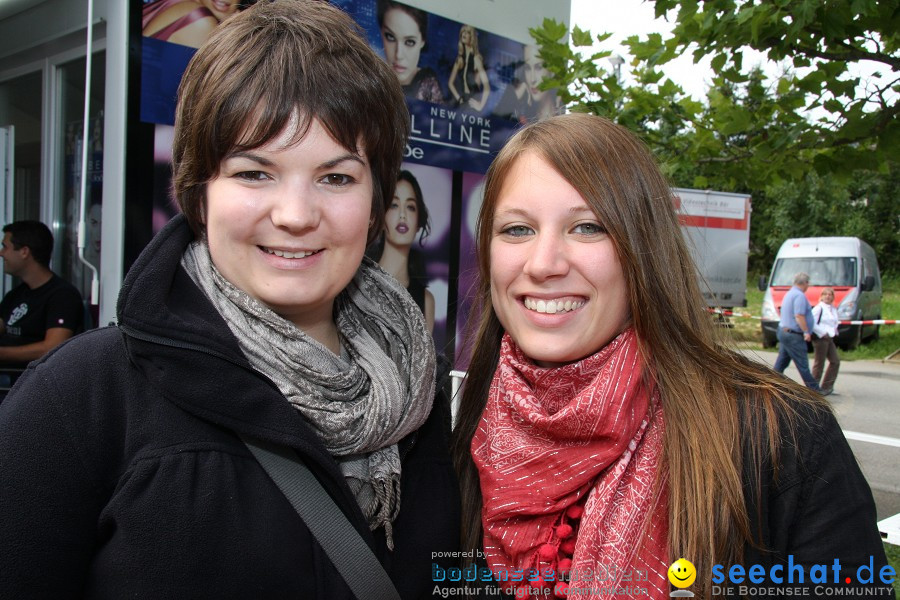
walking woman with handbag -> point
(249, 327)
(825, 324)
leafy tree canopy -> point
(750, 129)
(816, 147)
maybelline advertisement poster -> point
(468, 86)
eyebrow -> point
(343, 158)
(522, 212)
(328, 164)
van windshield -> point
(831, 271)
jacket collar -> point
(175, 336)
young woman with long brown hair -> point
(604, 428)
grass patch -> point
(748, 332)
(893, 557)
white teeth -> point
(552, 307)
(283, 254)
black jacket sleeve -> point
(819, 516)
(49, 498)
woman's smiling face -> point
(287, 223)
(556, 282)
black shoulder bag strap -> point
(350, 554)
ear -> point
(202, 216)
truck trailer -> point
(717, 228)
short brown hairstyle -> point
(272, 61)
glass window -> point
(70, 127)
(831, 271)
(20, 106)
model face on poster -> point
(465, 36)
(95, 219)
(402, 218)
(185, 22)
(220, 8)
(534, 72)
(403, 43)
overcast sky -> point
(624, 18)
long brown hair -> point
(708, 391)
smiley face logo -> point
(682, 573)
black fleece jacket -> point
(121, 475)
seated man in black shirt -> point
(44, 310)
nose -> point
(547, 258)
(297, 209)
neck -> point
(36, 275)
(395, 260)
(324, 332)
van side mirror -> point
(762, 284)
(868, 283)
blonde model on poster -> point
(473, 88)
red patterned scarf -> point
(553, 440)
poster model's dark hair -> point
(416, 14)
(264, 66)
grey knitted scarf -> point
(360, 406)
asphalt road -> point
(867, 404)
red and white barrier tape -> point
(731, 313)
(875, 322)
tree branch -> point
(853, 53)
(887, 115)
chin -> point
(551, 357)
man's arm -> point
(801, 318)
(29, 352)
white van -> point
(846, 264)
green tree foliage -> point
(820, 39)
(865, 207)
(815, 147)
